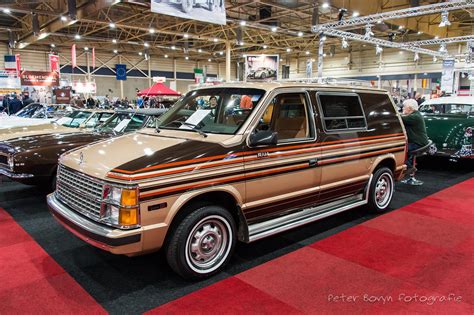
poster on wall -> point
(39, 78)
(211, 11)
(121, 72)
(447, 77)
(261, 67)
(63, 96)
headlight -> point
(120, 207)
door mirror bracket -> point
(265, 137)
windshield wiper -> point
(195, 128)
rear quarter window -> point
(380, 113)
(341, 111)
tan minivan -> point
(232, 162)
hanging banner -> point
(211, 11)
(261, 67)
(93, 57)
(84, 87)
(18, 64)
(447, 78)
(309, 68)
(39, 78)
(121, 72)
(73, 56)
(11, 64)
(54, 63)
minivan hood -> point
(136, 151)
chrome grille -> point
(82, 193)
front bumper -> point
(13, 175)
(113, 240)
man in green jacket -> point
(415, 128)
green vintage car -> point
(449, 123)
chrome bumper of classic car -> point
(106, 238)
(14, 175)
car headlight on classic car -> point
(120, 207)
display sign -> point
(12, 64)
(447, 78)
(54, 63)
(261, 67)
(84, 87)
(211, 11)
(63, 96)
(159, 79)
(39, 78)
(121, 72)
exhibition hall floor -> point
(353, 262)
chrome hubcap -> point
(383, 190)
(208, 244)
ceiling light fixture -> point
(166, 56)
(114, 41)
(77, 36)
(420, 32)
(401, 27)
(300, 34)
(86, 48)
(173, 47)
(215, 40)
(243, 23)
(344, 43)
(265, 46)
(112, 25)
(187, 58)
(63, 18)
(355, 14)
(209, 59)
(417, 57)
(53, 45)
(444, 19)
(325, 5)
(274, 29)
(307, 52)
(288, 50)
(140, 53)
(324, 38)
(7, 11)
(115, 51)
(221, 53)
(146, 44)
(200, 50)
(186, 35)
(435, 59)
(151, 30)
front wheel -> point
(381, 190)
(202, 243)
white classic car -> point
(34, 114)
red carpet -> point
(30, 280)
(415, 259)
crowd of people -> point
(13, 103)
(116, 102)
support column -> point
(415, 84)
(227, 61)
(150, 81)
(320, 58)
(121, 81)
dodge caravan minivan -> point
(234, 162)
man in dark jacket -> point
(14, 105)
(415, 128)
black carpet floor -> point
(134, 285)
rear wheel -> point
(202, 243)
(381, 190)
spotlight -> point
(209, 59)
(307, 52)
(442, 48)
(77, 36)
(241, 43)
(288, 50)
(146, 44)
(215, 40)
(265, 46)
(444, 19)
(151, 30)
(324, 55)
(112, 25)
(324, 38)
(187, 58)
(379, 22)
(325, 5)
(436, 37)
(63, 18)
(274, 29)
(115, 51)
(166, 56)
(200, 50)
(53, 45)
(341, 14)
(114, 41)
(173, 47)
(355, 14)
(6, 11)
(401, 52)
(243, 23)
(300, 34)
(378, 50)
(344, 43)
(417, 57)
(186, 35)
(140, 53)
(221, 53)
(368, 31)
(86, 48)
(401, 27)
(420, 32)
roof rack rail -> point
(329, 80)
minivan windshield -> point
(213, 110)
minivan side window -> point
(287, 114)
(341, 111)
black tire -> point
(187, 5)
(381, 190)
(216, 229)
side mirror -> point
(266, 137)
